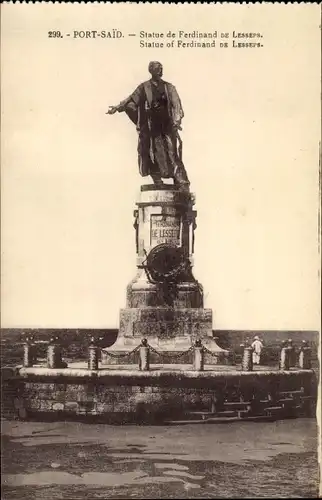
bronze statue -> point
(155, 108)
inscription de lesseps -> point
(165, 229)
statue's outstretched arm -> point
(134, 97)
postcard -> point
(160, 250)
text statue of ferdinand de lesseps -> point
(155, 108)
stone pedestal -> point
(170, 319)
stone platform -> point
(165, 394)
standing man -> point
(257, 350)
(155, 108)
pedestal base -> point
(164, 303)
(141, 294)
(170, 332)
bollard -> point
(292, 352)
(305, 356)
(247, 360)
(285, 357)
(29, 353)
(93, 355)
(144, 359)
(54, 359)
(198, 356)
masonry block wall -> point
(160, 396)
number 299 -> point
(55, 34)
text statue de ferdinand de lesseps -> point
(156, 110)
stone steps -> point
(286, 400)
(242, 410)
(236, 404)
(291, 393)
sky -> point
(70, 178)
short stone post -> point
(305, 356)
(285, 357)
(198, 356)
(247, 359)
(29, 352)
(93, 355)
(54, 358)
(144, 359)
(292, 353)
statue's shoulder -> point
(141, 86)
(148, 83)
(145, 85)
(169, 85)
(171, 88)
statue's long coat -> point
(156, 153)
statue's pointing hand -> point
(112, 110)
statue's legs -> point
(156, 175)
(156, 179)
(180, 176)
(166, 162)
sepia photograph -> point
(160, 250)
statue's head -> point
(156, 69)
